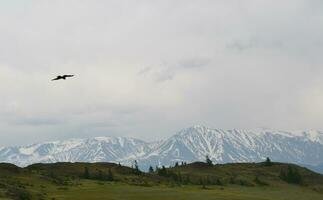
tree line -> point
(290, 175)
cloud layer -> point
(148, 68)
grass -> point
(114, 191)
(65, 181)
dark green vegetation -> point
(183, 181)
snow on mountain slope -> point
(223, 146)
(99, 149)
(191, 144)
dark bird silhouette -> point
(62, 77)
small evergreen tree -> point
(136, 164)
(162, 171)
(176, 164)
(268, 162)
(208, 160)
(137, 170)
(151, 169)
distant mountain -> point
(225, 146)
(191, 144)
(116, 149)
(317, 168)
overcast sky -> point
(147, 69)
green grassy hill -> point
(192, 181)
(250, 174)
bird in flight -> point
(62, 77)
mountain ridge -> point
(189, 145)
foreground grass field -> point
(115, 191)
(90, 181)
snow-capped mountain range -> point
(189, 145)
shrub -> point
(260, 182)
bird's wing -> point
(57, 78)
(65, 76)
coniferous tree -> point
(176, 164)
(137, 170)
(268, 162)
(208, 160)
(136, 164)
(151, 169)
(162, 171)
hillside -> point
(113, 181)
(188, 145)
(246, 173)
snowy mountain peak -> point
(195, 142)
(190, 144)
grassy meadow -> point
(220, 182)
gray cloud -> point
(194, 63)
(37, 121)
(146, 69)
